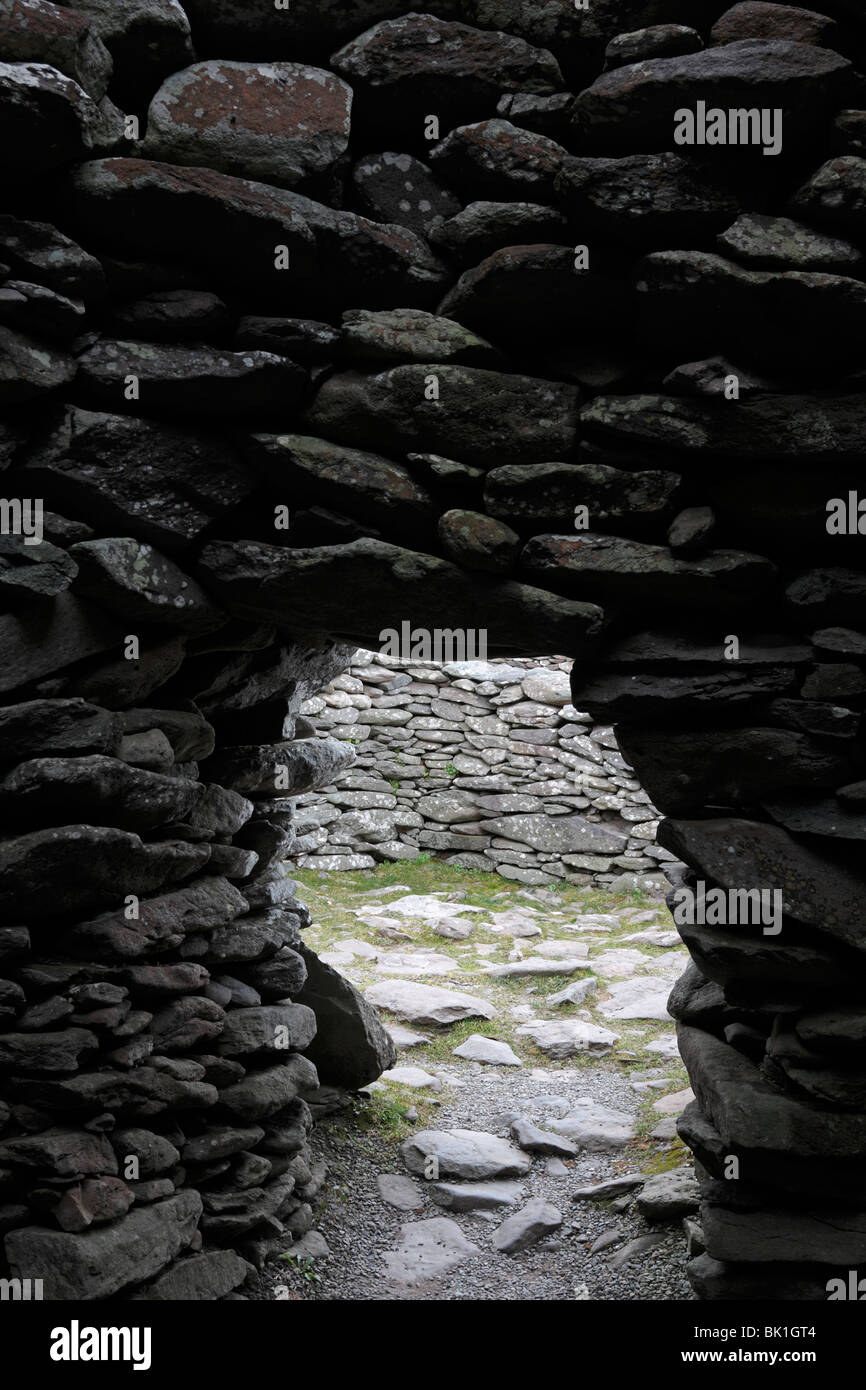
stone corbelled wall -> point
(486, 764)
(317, 320)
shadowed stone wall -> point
(321, 319)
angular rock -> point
(351, 1047)
(91, 861)
(475, 1196)
(657, 41)
(191, 214)
(777, 243)
(645, 200)
(497, 160)
(595, 1127)
(540, 1141)
(474, 232)
(532, 1223)
(608, 568)
(363, 485)
(410, 335)
(668, 1196)
(564, 834)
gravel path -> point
(362, 1230)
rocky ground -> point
(536, 1062)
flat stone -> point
(532, 965)
(463, 1153)
(635, 1249)
(427, 1250)
(414, 1077)
(568, 1037)
(638, 998)
(596, 1127)
(475, 1196)
(575, 993)
(477, 1048)
(609, 1187)
(427, 1004)
(562, 835)
(399, 1191)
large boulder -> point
(351, 1047)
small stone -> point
(399, 1191)
(534, 1221)
(477, 1048)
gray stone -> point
(568, 1037)
(427, 1250)
(399, 1191)
(540, 1141)
(475, 1196)
(464, 1153)
(477, 1048)
(426, 1004)
(668, 1196)
(225, 115)
(534, 1221)
(101, 1262)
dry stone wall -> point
(324, 318)
(485, 764)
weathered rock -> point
(564, 834)
(534, 1221)
(752, 19)
(464, 1153)
(396, 187)
(777, 243)
(35, 31)
(632, 108)
(427, 64)
(427, 1005)
(349, 589)
(474, 232)
(480, 416)
(496, 160)
(427, 1249)
(540, 1141)
(351, 1047)
(568, 1037)
(475, 1196)
(278, 122)
(92, 860)
(649, 200)
(188, 213)
(668, 1196)
(658, 41)
(102, 1262)
(477, 1048)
